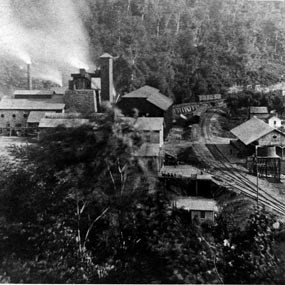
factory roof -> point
(195, 204)
(35, 116)
(145, 123)
(67, 123)
(148, 150)
(152, 95)
(26, 104)
(258, 110)
(251, 130)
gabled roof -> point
(258, 110)
(152, 95)
(67, 123)
(145, 123)
(251, 130)
(35, 116)
(26, 104)
(195, 204)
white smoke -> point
(45, 32)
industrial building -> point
(262, 144)
(149, 102)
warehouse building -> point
(149, 102)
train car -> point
(209, 98)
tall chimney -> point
(29, 77)
(107, 86)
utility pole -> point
(257, 186)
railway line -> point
(232, 176)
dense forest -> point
(185, 47)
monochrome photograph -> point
(142, 141)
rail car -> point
(210, 98)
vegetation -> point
(238, 101)
(89, 214)
(185, 47)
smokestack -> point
(29, 77)
(107, 87)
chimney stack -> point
(29, 77)
(107, 87)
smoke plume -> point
(48, 33)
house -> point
(262, 143)
(199, 208)
(151, 128)
(276, 122)
(149, 102)
(257, 132)
(259, 112)
(14, 113)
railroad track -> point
(231, 177)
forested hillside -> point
(187, 47)
(190, 47)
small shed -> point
(200, 208)
(259, 112)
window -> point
(25, 115)
(2, 116)
(202, 215)
(274, 137)
(18, 125)
(14, 116)
(274, 123)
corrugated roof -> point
(258, 110)
(152, 95)
(145, 123)
(195, 204)
(251, 130)
(35, 116)
(26, 104)
(68, 123)
(148, 150)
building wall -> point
(275, 122)
(259, 116)
(13, 118)
(209, 215)
(153, 137)
(81, 101)
(273, 138)
(16, 118)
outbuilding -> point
(199, 208)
